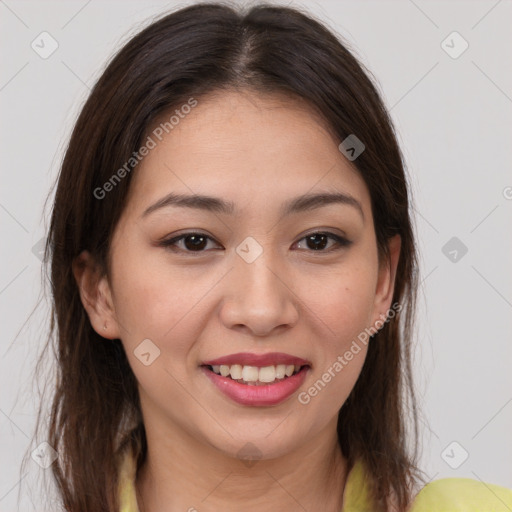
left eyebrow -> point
(306, 202)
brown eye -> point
(198, 242)
(195, 242)
(192, 242)
(317, 242)
(320, 240)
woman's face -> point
(251, 280)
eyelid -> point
(168, 243)
(341, 240)
(325, 231)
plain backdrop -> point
(452, 107)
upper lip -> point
(249, 359)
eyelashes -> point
(198, 241)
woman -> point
(234, 272)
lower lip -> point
(268, 394)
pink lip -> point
(260, 360)
(269, 394)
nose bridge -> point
(257, 280)
(257, 296)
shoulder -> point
(462, 495)
(444, 495)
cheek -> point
(341, 300)
(340, 306)
(165, 303)
(151, 299)
(150, 291)
(342, 310)
(164, 309)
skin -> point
(258, 152)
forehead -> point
(247, 148)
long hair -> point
(192, 52)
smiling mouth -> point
(256, 376)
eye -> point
(318, 240)
(197, 242)
(192, 242)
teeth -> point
(250, 373)
(280, 371)
(235, 371)
(267, 374)
(253, 375)
(289, 370)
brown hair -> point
(192, 52)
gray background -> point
(453, 116)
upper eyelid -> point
(330, 234)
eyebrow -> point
(306, 202)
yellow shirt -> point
(445, 495)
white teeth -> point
(267, 374)
(280, 371)
(254, 374)
(236, 371)
(250, 373)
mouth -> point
(257, 379)
(269, 381)
(257, 376)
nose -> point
(258, 297)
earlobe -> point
(95, 295)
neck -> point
(180, 473)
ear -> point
(386, 280)
(96, 296)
